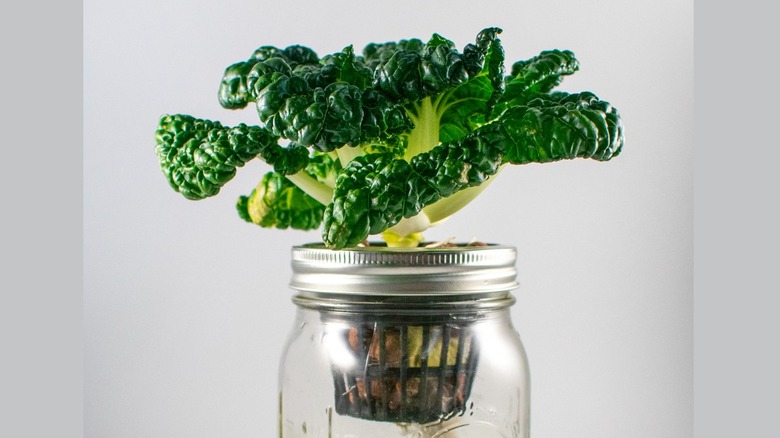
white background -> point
(186, 306)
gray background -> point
(186, 306)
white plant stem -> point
(317, 190)
(409, 225)
(446, 207)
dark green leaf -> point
(560, 126)
(199, 156)
(538, 75)
(237, 87)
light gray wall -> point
(186, 306)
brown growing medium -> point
(405, 380)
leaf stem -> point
(348, 153)
(317, 190)
(448, 206)
(425, 135)
(410, 225)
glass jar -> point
(404, 343)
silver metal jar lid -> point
(379, 270)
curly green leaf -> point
(236, 89)
(560, 126)
(412, 72)
(538, 75)
(466, 107)
(325, 106)
(199, 156)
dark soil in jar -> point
(406, 373)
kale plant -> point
(389, 141)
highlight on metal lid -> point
(381, 270)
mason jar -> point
(404, 343)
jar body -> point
(378, 370)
